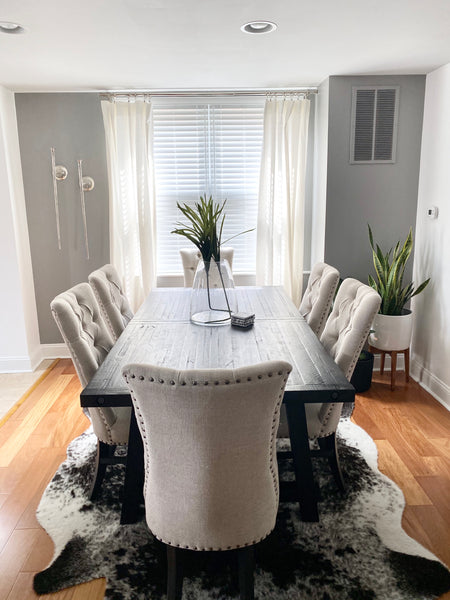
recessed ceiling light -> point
(258, 27)
(7, 27)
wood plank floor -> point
(411, 430)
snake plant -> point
(389, 269)
(205, 227)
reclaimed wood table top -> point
(161, 333)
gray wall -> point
(73, 124)
(385, 196)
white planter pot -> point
(391, 332)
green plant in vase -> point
(389, 271)
(392, 326)
(204, 229)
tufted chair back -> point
(191, 256)
(345, 333)
(349, 324)
(84, 331)
(209, 439)
(318, 296)
(114, 305)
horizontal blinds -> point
(209, 148)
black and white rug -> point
(358, 551)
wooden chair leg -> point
(329, 446)
(383, 358)
(393, 368)
(407, 364)
(246, 563)
(174, 573)
(104, 451)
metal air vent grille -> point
(374, 124)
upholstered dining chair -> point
(211, 476)
(191, 256)
(318, 297)
(114, 305)
(88, 339)
(344, 336)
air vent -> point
(374, 125)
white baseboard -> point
(432, 384)
(15, 364)
(387, 362)
(27, 364)
(54, 351)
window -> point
(214, 147)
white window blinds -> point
(207, 147)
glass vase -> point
(213, 297)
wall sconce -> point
(86, 184)
(59, 173)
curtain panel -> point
(132, 211)
(280, 229)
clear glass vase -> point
(213, 297)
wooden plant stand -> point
(393, 355)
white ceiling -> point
(145, 44)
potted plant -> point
(212, 300)
(392, 325)
(362, 375)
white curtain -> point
(280, 233)
(132, 213)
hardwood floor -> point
(411, 430)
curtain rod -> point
(208, 92)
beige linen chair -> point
(191, 256)
(345, 333)
(318, 297)
(114, 305)
(211, 476)
(78, 317)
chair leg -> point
(393, 368)
(104, 451)
(329, 446)
(174, 573)
(246, 562)
(406, 352)
(383, 358)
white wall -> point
(19, 336)
(431, 336)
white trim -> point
(27, 364)
(54, 351)
(432, 384)
(15, 364)
(387, 363)
(178, 280)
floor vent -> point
(374, 125)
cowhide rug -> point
(358, 550)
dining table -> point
(161, 333)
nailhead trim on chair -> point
(109, 440)
(324, 430)
(271, 458)
(206, 382)
(104, 313)
(212, 549)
